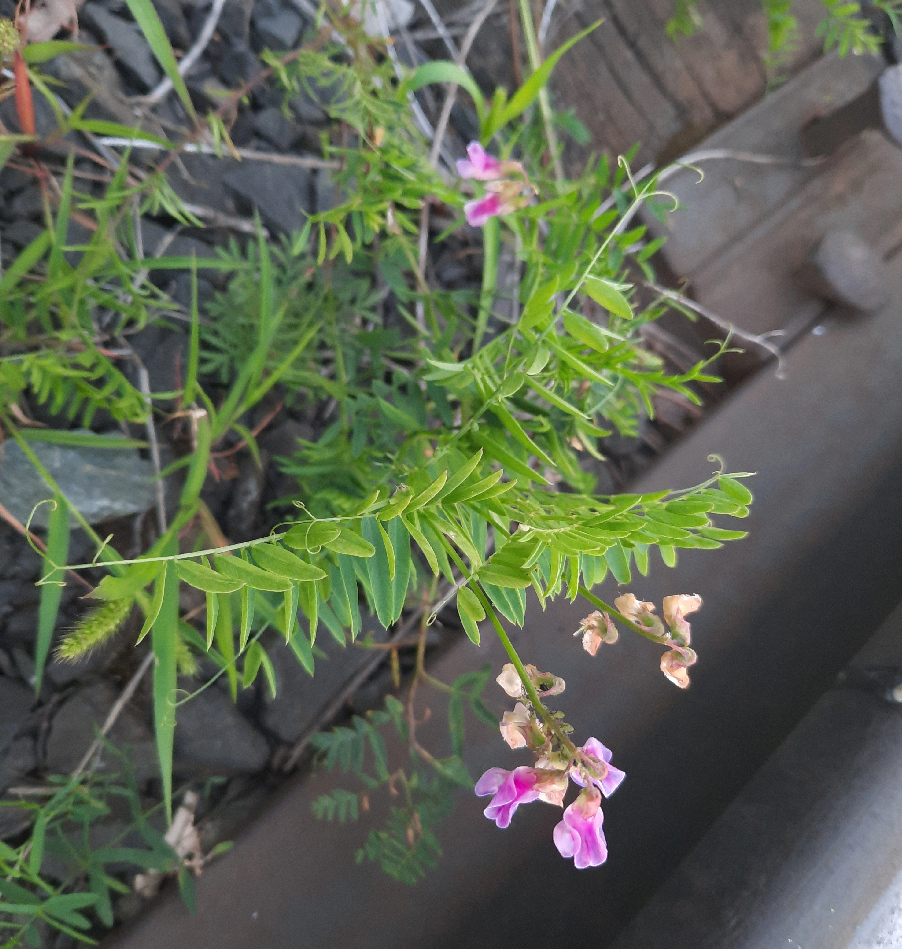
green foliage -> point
(450, 424)
(77, 893)
(845, 27)
(422, 791)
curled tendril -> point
(101, 549)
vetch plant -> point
(451, 414)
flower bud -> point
(675, 662)
(641, 612)
(546, 683)
(597, 628)
(509, 680)
(514, 726)
(676, 608)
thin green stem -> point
(535, 61)
(617, 615)
(491, 239)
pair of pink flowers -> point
(579, 834)
(503, 193)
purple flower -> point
(480, 165)
(511, 788)
(610, 776)
(579, 834)
(480, 210)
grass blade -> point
(165, 639)
(51, 593)
(146, 17)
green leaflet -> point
(308, 601)
(471, 612)
(456, 479)
(389, 586)
(236, 569)
(443, 71)
(201, 577)
(311, 535)
(606, 294)
(256, 658)
(619, 563)
(156, 604)
(423, 544)
(426, 495)
(247, 616)
(126, 587)
(300, 645)
(349, 578)
(284, 564)
(351, 543)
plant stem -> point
(491, 239)
(617, 615)
(535, 60)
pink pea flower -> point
(609, 778)
(675, 663)
(594, 635)
(579, 834)
(511, 789)
(552, 786)
(479, 165)
(488, 206)
(676, 608)
(515, 726)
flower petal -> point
(479, 211)
(479, 165)
(491, 781)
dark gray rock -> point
(234, 63)
(212, 735)
(127, 42)
(77, 722)
(846, 270)
(64, 673)
(276, 129)
(153, 237)
(21, 625)
(277, 28)
(283, 440)
(161, 351)
(235, 20)
(102, 483)
(16, 761)
(307, 109)
(27, 203)
(244, 518)
(325, 191)
(21, 233)
(205, 182)
(174, 23)
(13, 818)
(301, 700)
(279, 192)
(15, 709)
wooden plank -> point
(754, 283)
(734, 197)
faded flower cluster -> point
(506, 184)
(598, 628)
(558, 761)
